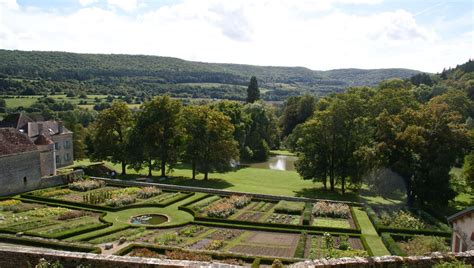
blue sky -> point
(318, 34)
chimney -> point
(40, 128)
(60, 127)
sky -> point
(317, 34)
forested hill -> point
(43, 72)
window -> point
(67, 157)
(56, 146)
(67, 144)
(58, 159)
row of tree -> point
(358, 132)
(164, 132)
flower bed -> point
(227, 206)
(330, 209)
(86, 185)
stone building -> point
(463, 230)
(20, 161)
(53, 130)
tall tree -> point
(422, 146)
(210, 145)
(239, 119)
(263, 133)
(296, 110)
(157, 135)
(110, 134)
(253, 92)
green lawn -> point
(331, 222)
(368, 231)
(257, 180)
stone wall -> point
(216, 191)
(19, 172)
(9, 187)
(62, 150)
(48, 167)
(389, 261)
(19, 257)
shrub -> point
(420, 245)
(277, 263)
(186, 255)
(401, 219)
(72, 215)
(47, 212)
(97, 197)
(289, 207)
(330, 209)
(221, 210)
(190, 231)
(54, 192)
(86, 185)
(147, 192)
(227, 206)
(214, 245)
(22, 207)
(126, 191)
(121, 200)
(6, 204)
(344, 242)
(239, 201)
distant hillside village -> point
(30, 150)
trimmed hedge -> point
(58, 245)
(196, 200)
(107, 233)
(366, 245)
(256, 263)
(277, 225)
(70, 233)
(307, 213)
(354, 219)
(214, 254)
(269, 229)
(391, 245)
(385, 229)
(299, 252)
(65, 203)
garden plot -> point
(266, 244)
(404, 218)
(419, 245)
(186, 255)
(45, 221)
(331, 214)
(329, 246)
(96, 192)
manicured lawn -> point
(257, 180)
(368, 231)
(331, 222)
(282, 152)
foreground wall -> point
(18, 257)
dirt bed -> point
(264, 251)
(273, 238)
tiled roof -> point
(43, 140)
(12, 141)
(18, 121)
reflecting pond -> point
(277, 162)
(151, 219)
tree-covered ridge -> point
(120, 74)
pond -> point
(277, 162)
(149, 219)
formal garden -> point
(112, 217)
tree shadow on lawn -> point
(321, 193)
(183, 181)
(361, 195)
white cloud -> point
(87, 2)
(306, 33)
(127, 5)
